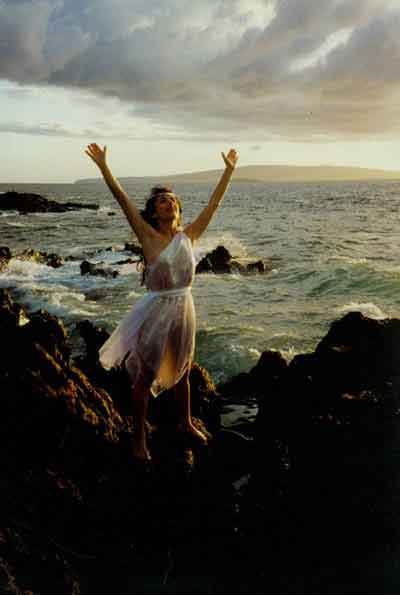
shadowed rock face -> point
(316, 483)
(34, 203)
(68, 479)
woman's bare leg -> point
(140, 400)
(182, 395)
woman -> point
(155, 340)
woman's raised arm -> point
(138, 224)
(200, 224)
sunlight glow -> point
(334, 40)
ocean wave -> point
(237, 414)
(24, 269)
(367, 308)
(12, 213)
(240, 349)
(135, 294)
(59, 301)
(233, 243)
(36, 277)
(15, 224)
(349, 259)
(103, 209)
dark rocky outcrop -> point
(308, 502)
(325, 480)
(49, 259)
(71, 496)
(5, 256)
(88, 268)
(133, 247)
(220, 260)
(25, 202)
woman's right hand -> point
(97, 154)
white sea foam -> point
(9, 213)
(59, 291)
(244, 350)
(368, 309)
(59, 301)
(349, 259)
(24, 269)
(106, 210)
(231, 242)
(15, 224)
(288, 354)
(134, 294)
(239, 414)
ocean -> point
(334, 247)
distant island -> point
(269, 173)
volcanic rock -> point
(220, 260)
(35, 203)
(88, 268)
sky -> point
(169, 84)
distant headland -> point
(270, 173)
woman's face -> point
(167, 207)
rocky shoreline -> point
(218, 261)
(306, 500)
(27, 202)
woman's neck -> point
(168, 228)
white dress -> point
(157, 337)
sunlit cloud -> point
(250, 69)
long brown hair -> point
(148, 214)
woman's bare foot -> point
(191, 430)
(141, 452)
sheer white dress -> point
(157, 337)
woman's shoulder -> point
(187, 231)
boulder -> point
(220, 260)
(88, 268)
(133, 247)
(51, 260)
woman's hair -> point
(149, 211)
(150, 207)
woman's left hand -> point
(230, 159)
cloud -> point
(247, 69)
(54, 130)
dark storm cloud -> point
(243, 67)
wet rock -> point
(205, 401)
(97, 294)
(71, 494)
(12, 317)
(258, 381)
(133, 247)
(220, 260)
(88, 268)
(257, 267)
(94, 338)
(35, 203)
(51, 260)
(5, 256)
(317, 485)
